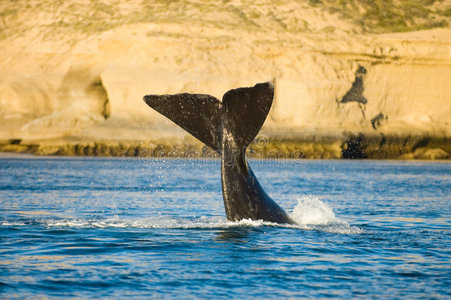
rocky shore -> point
(354, 147)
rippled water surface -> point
(72, 227)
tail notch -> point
(243, 111)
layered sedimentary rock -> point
(339, 92)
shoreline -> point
(355, 146)
(28, 156)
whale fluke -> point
(245, 111)
(198, 114)
(228, 127)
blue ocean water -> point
(101, 227)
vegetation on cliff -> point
(382, 16)
(91, 16)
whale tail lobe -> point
(242, 111)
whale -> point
(228, 127)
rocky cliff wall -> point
(332, 81)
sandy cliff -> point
(76, 71)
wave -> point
(310, 214)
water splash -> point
(312, 213)
(160, 222)
(309, 213)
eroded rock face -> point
(52, 105)
(330, 82)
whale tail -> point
(243, 111)
(228, 126)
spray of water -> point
(310, 214)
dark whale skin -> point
(228, 127)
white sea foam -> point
(312, 213)
(163, 222)
(7, 223)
